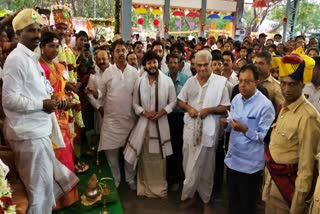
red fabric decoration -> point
(140, 21)
(178, 13)
(193, 14)
(259, 3)
(156, 22)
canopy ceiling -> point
(212, 5)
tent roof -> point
(213, 5)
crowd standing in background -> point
(176, 110)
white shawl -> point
(213, 96)
(137, 136)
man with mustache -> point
(158, 48)
(132, 60)
(290, 157)
(115, 95)
(203, 98)
(154, 97)
(102, 63)
(29, 118)
(227, 72)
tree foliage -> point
(83, 8)
(306, 21)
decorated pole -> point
(166, 18)
(126, 22)
(203, 17)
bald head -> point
(102, 60)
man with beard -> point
(115, 96)
(203, 98)
(30, 121)
(154, 98)
(132, 60)
(250, 118)
(157, 47)
(102, 63)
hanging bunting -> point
(140, 21)
(156, 11)
(191, 25)
(259, 3)
(213, 16)
(156, 22)
(178, 23)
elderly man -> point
(29, 119)
(290, 159)
(115, 94)
(203, 98)
(154, 98)
(102, 63)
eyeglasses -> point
(246, 82)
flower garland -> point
(6, 206)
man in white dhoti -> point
(115, 95)
(29, 119)
(154, 97)
(102, 63)
(203, 98)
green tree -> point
(307, 21)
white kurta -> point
(94, 81)
(23, 91)
(116, 91)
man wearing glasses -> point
(251, 115)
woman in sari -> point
(57, 75)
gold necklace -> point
(49, 64)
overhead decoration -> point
(213, 25)
(193, 14)
(140, 21)
(191, 25)
(259, 3)
(90, 28)
(178, 23)
(228, 17)
(213, 16)
(140, 10)
(178, 13)
(156, 22)
(156, 11)
(228, 26)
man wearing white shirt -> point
(228, 61)
(28, 109)
(115, 95)
(102, 63)
(203, 98)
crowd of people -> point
(178, 112)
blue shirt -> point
(178, 84)
(246, 151)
